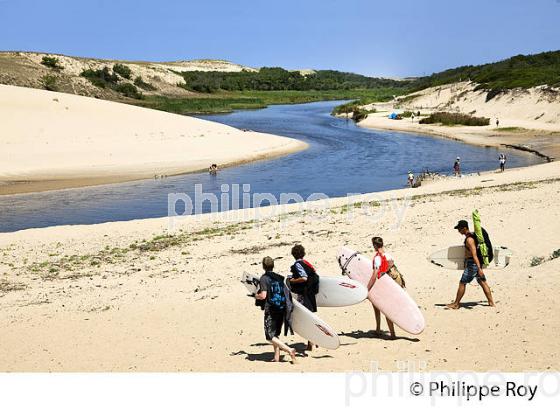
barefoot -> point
(293, 356)
(491, 304)
(452, 306)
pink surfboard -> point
(386, 295)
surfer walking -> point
(473, 267)
(304, 282)
(383, 262)
(277, 308)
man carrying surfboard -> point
(473, 266)
(277, 308)
(304, 282)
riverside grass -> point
(225, 101)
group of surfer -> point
(274, 294)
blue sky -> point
(401, 38)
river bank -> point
(132, 296)
(524, 119)
(543, 143)
(54, 140)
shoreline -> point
(43, 185)
(468, 135)
(53, 140)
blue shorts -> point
(471, 272)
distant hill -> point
(65, 74)
(521, 71)
(162, 84)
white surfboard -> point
(338, 291)
(305, 323)
(392, 300)
(453, 257)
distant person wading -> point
(502, 160)
(457, 167)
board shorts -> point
(273, 322)
(471, 272)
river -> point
(342, 159)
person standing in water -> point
(382, 263)
(473, 267)
(277, 308)
(457, 167)
(410, 179)
(502, 162)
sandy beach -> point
(125, 296)
(528, 119)
(53, 140)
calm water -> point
(342, 159)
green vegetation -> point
(278, 79)
(76, 266)
(122, 70)
(449, 118)
(511, 129)
(101, 78)
(354, 108)
(129, 90)
(522, 71)
(49, 82)
(6, 286)
(104, 78)
(223, 101)
(408, 114)
(139, 82)
(537, 260)
(51, 62)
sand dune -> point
(53, 140)
(121, 297)
(528, 118)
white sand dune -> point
(55, 140)
(529, 118)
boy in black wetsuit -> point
(304, 282)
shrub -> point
(407, 114)
(49, 83)
(122, 70)
(493, 93)
(537, 260)
(139, 82)
(129, 90)
(51, 62)
(101, 78)
(448, 118)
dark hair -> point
(377, 242)
(268, 263)
(298, 251)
